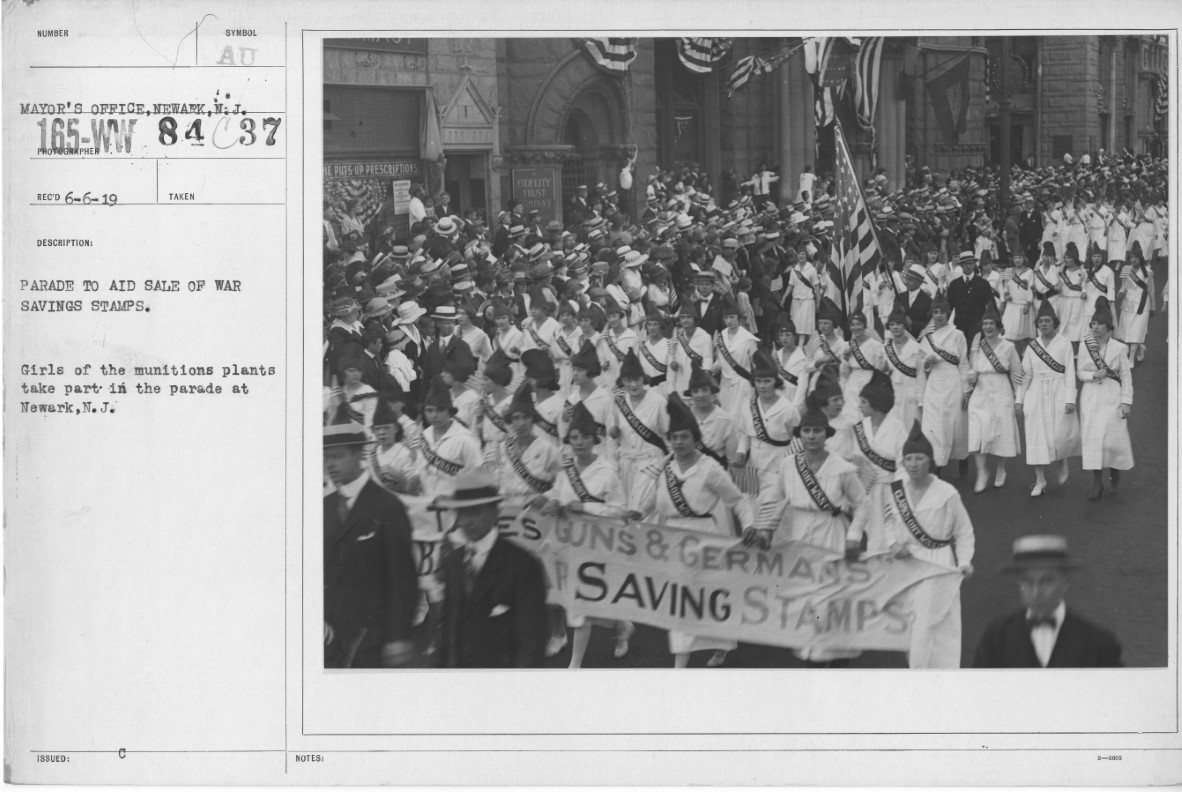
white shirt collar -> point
(1043, 637)
(481, 548)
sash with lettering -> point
(1070, 284)
(676, 495)
(683, 339)
(856, 349)
(710, 452)
(1021, 282)
(546, 426)
(761, 432)
(1096, 282)
(1050, 286)
(893, 356)
(945, 354)
(538, 340)
(646, 434)
(487, 410)
(536, 484)
(1045, 357)
(864, 444)
(576, 482)
(384, 479)
(1144, 290)
(991, 356)
(720, 345)
(814, 487)
(565, 347)
(662, 368)
(786, 375)
(825, 346)
(899, 497)
(442, 464)
(1097, 358)
(612, 346)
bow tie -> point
(1033, 622)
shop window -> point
(371, 121)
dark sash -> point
(708, 451)
(893, 356)
(868, 452)
(858, 356)
(1070, 284)
(486, 409)
(899, 497)
(538, 340)
(760, 428)
(1097, 358)
(1050, 286)
(825, 346)
(947, 356)
(1021, 282)
(805, 282)
(991, 356)
(646, 434)
(1144, 291)
(786, 375)
(612, 346)
(685, 344)
(547, 427)
(676, 495)
(381, 476)
(536, 484)
(565, 347)
(661, 368)
(576, 482)
(1045, 357)
(814, 487)
(442, 464)
(720, 345)
(1092, 277)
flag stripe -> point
(866, 80)
(856, 250)
(612, 54)
(701, 55)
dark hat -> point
(610, 306)
(879, 392)
(540, 298)
(1071, 251)
(383, 414)
(522, 403)
(729, 306)
(1135, 249)
(459, 361)
(784, 324)
(681, 417)
(1046, 309)
(630, 366)
(353, 356)
(991, 313)
(582, 420)
(941, 301)
(497, 368)
(826, 387)
(813, 418)
(701, 378)
(829, 310)
(473, 488)
(344, 430)
(1039, 551)
(763, 367)
(918, 443)
(1048, 249)
(587, 360)
(540, 368)
(1103, 313)
(900, 316)
(687, 309)
(439, 396)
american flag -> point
(867, 68)
(701, 55)
(856, 250)
(816, 58)
(614, 55)
(754, 65)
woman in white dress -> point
(928, 521)
(827, 348)
(1053, 230)
(1018, 295)
(733, 348)
(946, 392)
(1072, 297)
(589, 484)
(905, 360)
(691, 491)
(802, 279)
(1046, 401)
(878, 453)
(819, 500)
(1137, 304)
(1099, 281)
(996, 372)
(1105, 402)
(1077, 224)
(863, 356)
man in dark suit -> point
(707, 304)
(370, 588)
(494, 602)
(1045, 634)
(968, 296)
(443, 346)
(915, 302)
(1029, 228)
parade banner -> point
(791, 595)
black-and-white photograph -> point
(801, 351)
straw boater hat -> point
(1039, 551)
(346, 433)
(473, 488)
(444, 313)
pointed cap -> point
(681, 417)
(587, 360)
(630, 366)
(918, 443)
(700, 378)
(582, 420)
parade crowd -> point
(694, 368)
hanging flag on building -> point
(1161, 97)
(816, 58)
(702, 55)
(867, 70)
(613, 55)
(856, 250)
(755, 65)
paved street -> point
(1121, 540)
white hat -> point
(409, 312)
